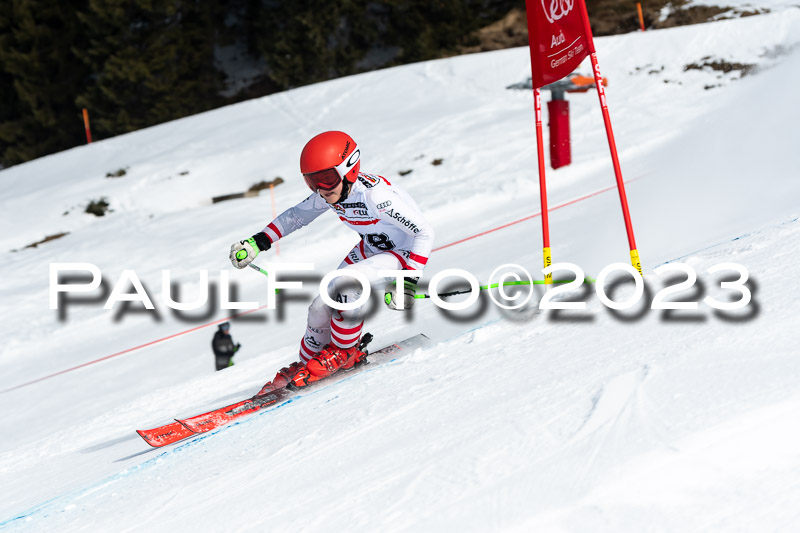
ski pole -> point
(506, 284)
(257, 269)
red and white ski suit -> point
(394, 236)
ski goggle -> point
(329, 178)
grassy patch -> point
(98, 208)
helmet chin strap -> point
(345, 191)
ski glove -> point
(243, 252)
(395, 295)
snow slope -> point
(570, 421)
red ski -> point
(163, 435)
(203, 423)
(214, 419)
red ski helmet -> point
(329, 158)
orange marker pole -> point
(86, 126)
(274, 215)
(641, 18)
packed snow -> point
(526, 420)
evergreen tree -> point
(307, 41)
(429, 29)
(312, 40)
(153, 61)
(39, 79)
(136, 63)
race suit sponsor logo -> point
(385, 204)
(353, 205)
(352, 210)
(402, 220)
(369, 180)
(311, 341)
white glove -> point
(243, 252)
(394, 295)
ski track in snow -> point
(514, 421)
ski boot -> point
(282, 378)
(330, 360)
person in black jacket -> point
(223, 346)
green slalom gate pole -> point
(506, 284)
(463, 291)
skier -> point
(394, 236)
(223, 346)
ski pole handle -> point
(241, 254)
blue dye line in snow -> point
(79, 493)
(720, 243)
(45, 509)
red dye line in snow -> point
(128, 350)
(565, 204)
